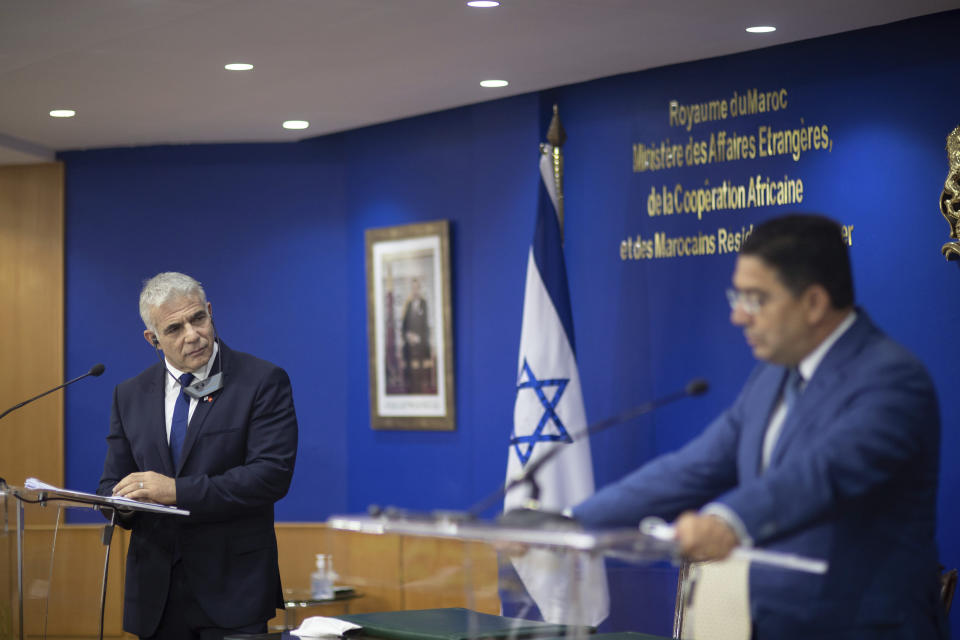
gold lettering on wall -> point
(730, 142)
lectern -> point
(559, 543)
(15, 506)
(564, 547)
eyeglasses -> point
(751, 302)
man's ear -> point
(816, 303)
(151, 338)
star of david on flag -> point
(548, 413)
(529, 381)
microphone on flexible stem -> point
(696, 387)
(95, 371)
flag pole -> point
(548, 407)
(556, 136)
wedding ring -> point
(141, 484)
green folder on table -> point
(453, 624)
(618, 635)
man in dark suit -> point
(212, 431)
(831, 451)
(418, 371)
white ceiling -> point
(142, 72)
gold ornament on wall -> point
(950, 197)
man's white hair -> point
(164, 286)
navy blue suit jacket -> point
(852, 480)
(237, 461)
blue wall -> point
(264, 228)
(275, 232)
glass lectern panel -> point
(46, 570)
(448, 564)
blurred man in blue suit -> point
(213, 431)
(831, 451)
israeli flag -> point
(567, 588)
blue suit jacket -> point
(237, 460)
(852, 480)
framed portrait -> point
(409, 327)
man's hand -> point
(704, 537)
(147, 486)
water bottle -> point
(321, 580)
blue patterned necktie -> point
(178, 425)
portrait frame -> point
(410, 327)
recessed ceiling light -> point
(238, 66)
(760, 29)
(493, 83)
(62, 113)
(296, 124)
(483, 4)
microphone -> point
(95, 371)
(696, 387)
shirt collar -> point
(199, 374)
(810, 363)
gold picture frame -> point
(410, 327)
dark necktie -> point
(792, 387)
(178, 425)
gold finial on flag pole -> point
(556, 136)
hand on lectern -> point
(704, 537)
(148, 486)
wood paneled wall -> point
(66, 601)
(392, 572)
(31, 320)
(73, 607)
(448, 573)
